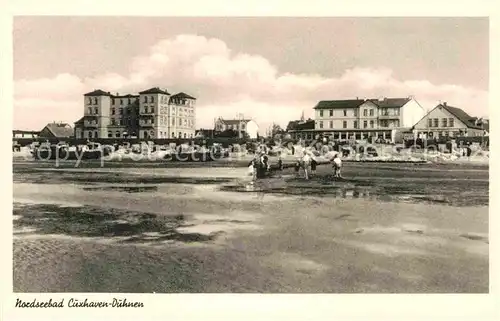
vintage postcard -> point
(250, 154)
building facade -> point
(301, 129)
(57, 130)
(241, 126)
(24, 134)
(154, 113)
(366, 118)
(447, 121)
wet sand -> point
(385, 228)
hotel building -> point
(366, 118)
(153, 113)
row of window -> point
(366, 112)
(152, 99)
(184, 102)
(371, 123)
(123, 122)
(113, 111)
(346, 135)
(93, 100)
(145, 134)
(453, 133)
(445, 122)
(180, 135)
(146, 110)
(122, 101)
(96, 109)
(162, 121)
(234, 127)
(146, 100)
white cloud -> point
(227, 83)
(61, 86)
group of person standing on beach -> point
(308, 160)
(259, 165)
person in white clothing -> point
(337, 165)
(305, 162)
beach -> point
(173, 228)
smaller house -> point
(239, 125)
(79, 126)
(447, 121)
(57, 130)
(204, 133)
(301, 129)
(24, 134)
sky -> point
(268, 69)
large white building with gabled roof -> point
(366, 118)
(153, 113)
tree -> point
(276, 130)
(231, 133)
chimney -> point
(444, 103)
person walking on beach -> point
(337, 165)
(264, 161)
(305, 162)
(254, 165)
(280, 161)
(314, 163)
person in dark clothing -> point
(260, 164)
(314, 163)
(255, 164)
(264, 165)
(468, 151)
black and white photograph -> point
(250, 155)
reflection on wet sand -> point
(192, 232)
(122, 225)
(127, 189)
(359, 189)
(99, 222)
